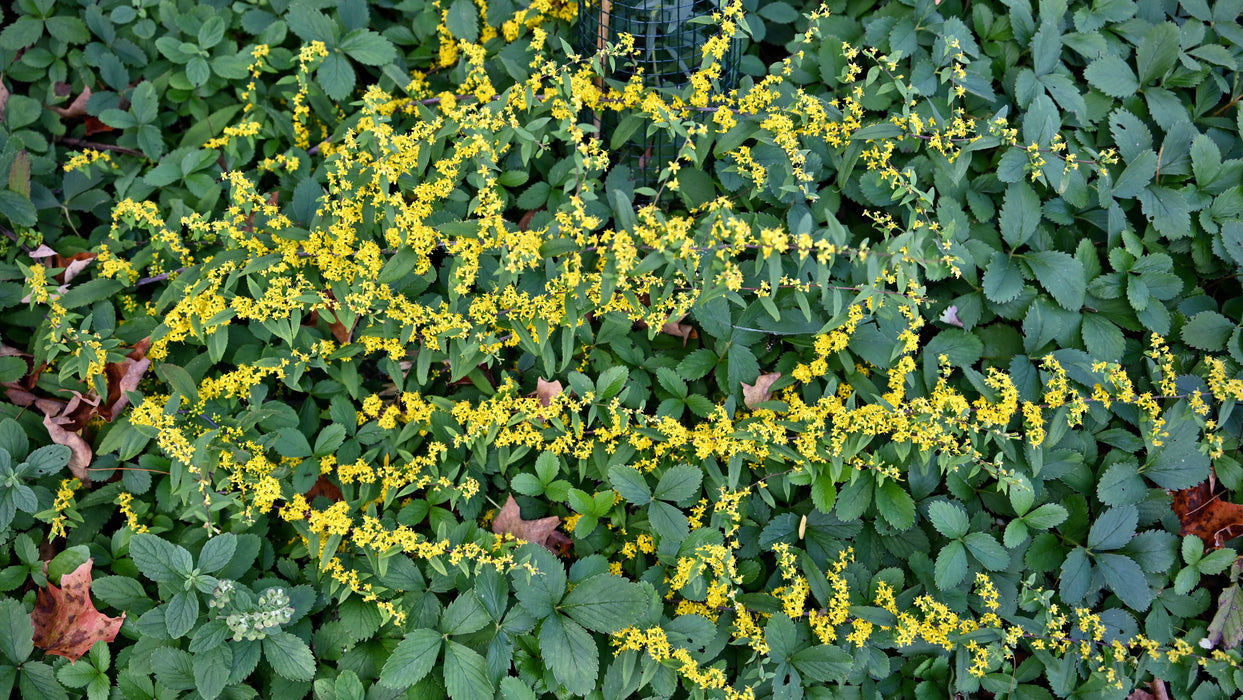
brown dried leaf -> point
(94, 126)
(542, 531)
(546, 391)
(77, 108)
(681, 330)
(327, 489)
(4, 98)
(65, 620)
(43, 251)
(761, 391)
(124, 376)
(1207, 515)
(1157, 686)
(62, 421)
(73, 265)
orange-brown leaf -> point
(546, 391)
(542, 531)
(681, 330)
(1207, 515)
(65, 620)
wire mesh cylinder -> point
(668, 50)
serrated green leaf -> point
(1137, 176)
(466, 673)
(413, 658)
(951, 566)
(217, 552)
(291, 443)
(158, 559)
(1020, 213)
(463, 20)
(16, 631)
(949, 519)
(697, 364)
(1061, 274)
(1113, 528)
(1112, 76)
(571, 653)
(1102, 338)
(1208, 330)
(289, 656)
(1121, 485)
(1168, 211)
(678, 483)
(538, 593)
(309, 24)
(611, 381)
(667, 521)
(987, 550)
(212, 669)
(1158, 52)
(1126, 579)
(464, 615)
(368, 47)
(631, 484)
(1003, 281)
(895, 505)
(181, 613)
(1076, 576)
(605, 603)
(336, 76)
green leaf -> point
(823, 663)
(1113, 528)
(611, 381)
(173, 668)
(895, 505)
(181, 613)
(949, 519)
(538, 593)
(48, 459)
(697, 364)
(630, 483)
(212, 669)
(1102, 338)
(463, 20)
(1178, 463)
(1121, 485)
(781, 635)
(464, 615)
(329, 439)
(1168, 210)
(77, 675)
(605, 603)
(70, 30)
(291, 443)
(1112, 76)
(368, 47)
(12, 368)
(1126, 579)
(571, 653)
(145, 103)
(90, 292)
(412, 659)
(159, 560)
(37, 682)
(1157, 52)
(951, 565)
(1208, 330)
(987, 550)
(16, 631)
(1076, 578)
(678, 483)
(1137, 176)
(289, 656)
(309, 24)
(217, 552)
(824, 493)
(1061, 274)
(466, 673)
(1003, 281)
(18, 209)
(667, 521)
(1217, 562)
(336, 77)
(1020, 213)
(22, 33)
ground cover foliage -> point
(340, 361)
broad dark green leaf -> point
(1076, 576)
(16, 631)
(289, 656)
(1126, 579)
(158, 559)
(212, 669)
(570, 652)
(1061, 274)
(605, 603)
(987, 550)
(823, 663)
(368, 47)
(1208, 330)
(463, 20)
(678, 483)
(466, 673)
(1137, 176)
(1112, 76)
(951, 565)
(1113, 528)
(1020, 213)
(1003, 281)
(895, 505)
(538, 593)
(949, 519)
(413, 658)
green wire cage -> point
(668, 50)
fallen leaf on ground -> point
(681, 330)
(124, 376)
(63, 421)
(1157, 686)
(77, 108)
(761, 391)
(1208, 515)
(65, 620)
(1226, 629)
(542, 531)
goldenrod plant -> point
(342, 345)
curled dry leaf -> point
(124, 376)
(65, 620)
(1207, 515)
(761, 391)
(681, 330)
(77, 108)
(73, 265)
(542, 531)
(1156, 691)
(63, 420)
